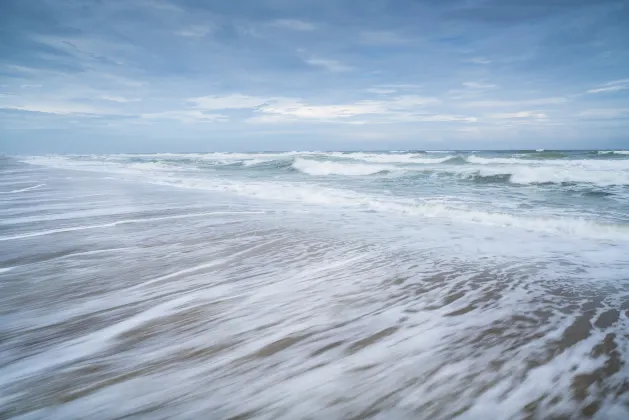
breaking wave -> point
(319, 168)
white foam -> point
(524, 175)
(23, 189)
(6, 269)
(413, 158)
(313, 194)
(120, 222)
(572, 163)
(323, 168)
(253, 162)
(203, 266)
(616, 152)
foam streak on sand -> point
(116, 223)
(23, 189)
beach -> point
(317, 285)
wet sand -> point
(121, 300)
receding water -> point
(407, 285)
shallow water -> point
(315, 285)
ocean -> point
(315, 285)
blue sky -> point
(80, 76)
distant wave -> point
(411, 158)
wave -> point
(411, 158)
(34, 187)
(613, 152)
(323, 168)
(344, 197)
(486, 178)
(539, 175)
(455, 160)
(593, 164)
(313, 194)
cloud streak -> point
(613, 86)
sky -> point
(106, 76)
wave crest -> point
(324, 168)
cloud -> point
(525, 102)
(233, 101)
(477, 85)
(330, 65)
(323, 112)
(382, 111)
(400, 69)
(185, 116)
(605, 113)
(293, 24)
(518, 115)
(612, 86)
(447, 118)
(119, 99)
(380, 91)
(58, 108)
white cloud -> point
(382, 38)
(516, 115)
(293, 24)
(119, 99)
(380, 91)
(185, 116)
(612, 86)
(394, 109)
(447, 118)
(522, 103)
(324, 112)
(58, 108)
(410, 108)
(330, 65)
(478, 85)
(233, 101)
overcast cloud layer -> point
(193, 75)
